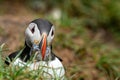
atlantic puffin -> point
(37, 52)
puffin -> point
(37, 52)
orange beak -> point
(44, 44)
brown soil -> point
(13, 24)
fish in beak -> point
(41, 46)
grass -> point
(17, 73)
(78, 31)
(106, 57)
(109, 64)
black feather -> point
(11, 57)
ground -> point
(12, 27)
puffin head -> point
(39, 35)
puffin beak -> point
(43, 44)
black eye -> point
(33, 29)
(52, 33)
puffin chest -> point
(49, 69)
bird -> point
(37, 52)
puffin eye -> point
(33, 29)
(52, 33)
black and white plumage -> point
(38, 44)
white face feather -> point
(51, 35)
(33, 35)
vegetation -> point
(87, 30)
(17, 73)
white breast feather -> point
(51, 68)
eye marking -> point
(52, 33)
(33, 29)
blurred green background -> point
(87, 35)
